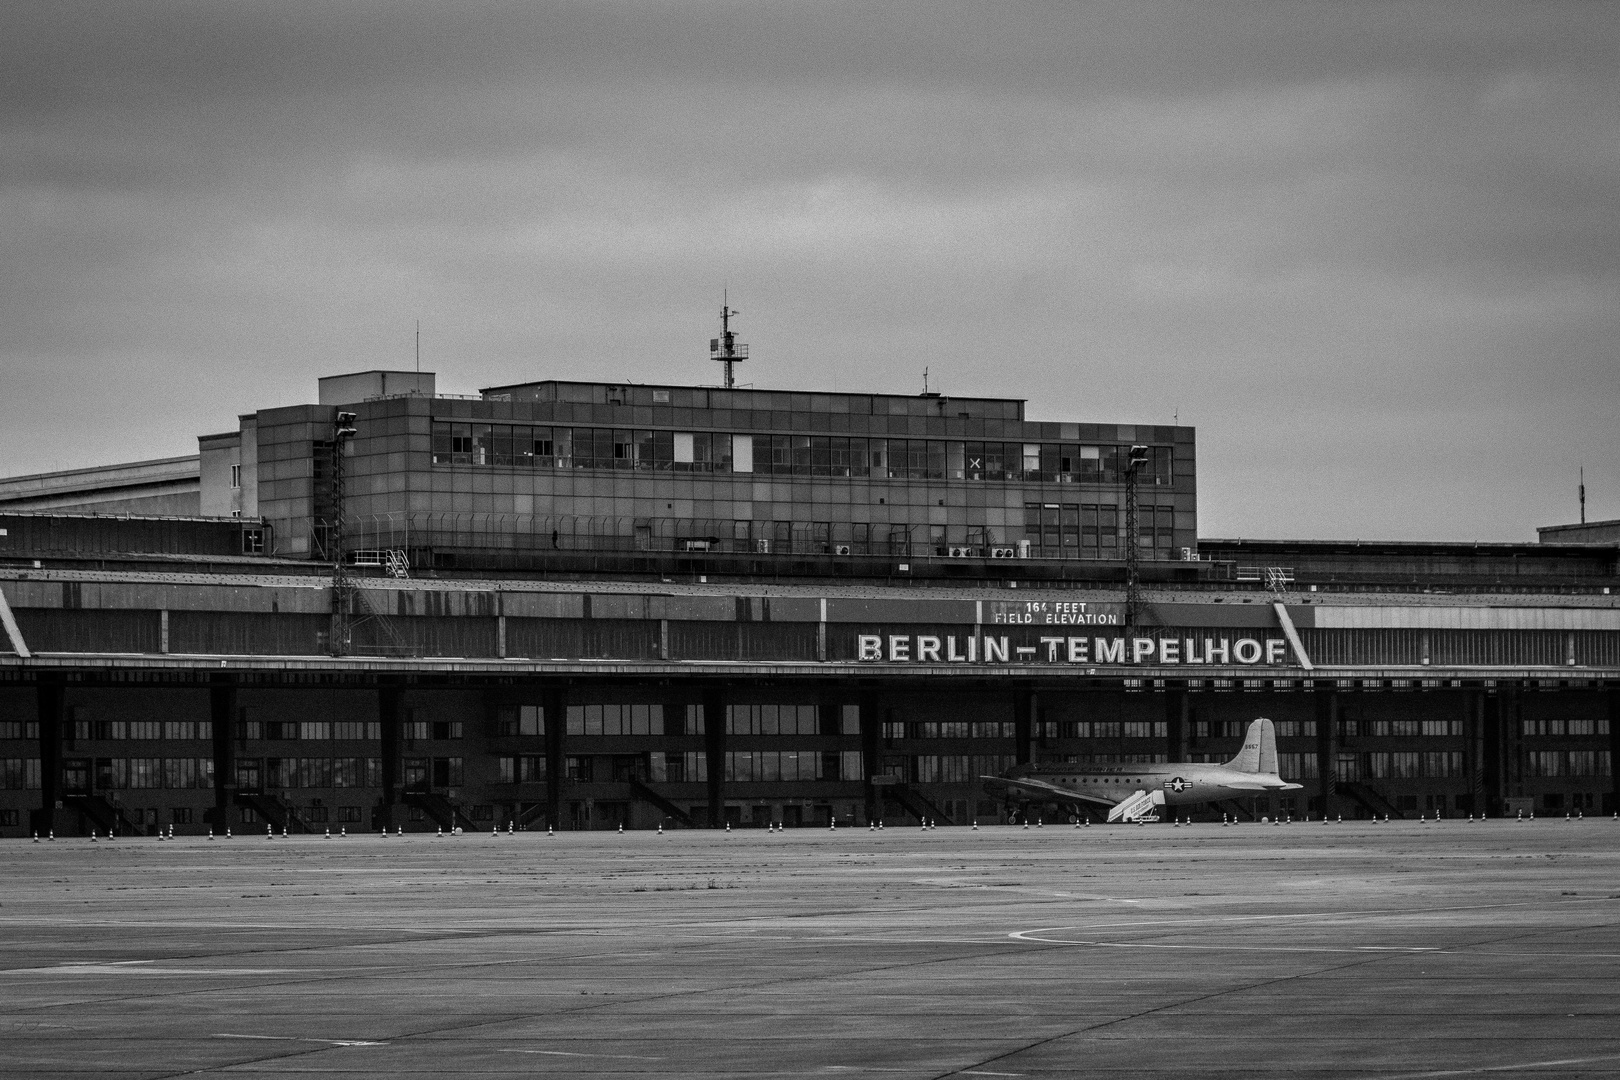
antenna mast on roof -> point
(1583, 494)
(726, 348)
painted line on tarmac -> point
(1022, 936)
(946, 883)
(295, 1038)
(137, 967)
(1361, 915)
(569, 1053)
(1482, 1069)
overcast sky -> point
(1369, 250)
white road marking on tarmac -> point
(567, 1053)
(295, 1038)
(1501, 1068)
(1024, 935)
(139, 967)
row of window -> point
(1350, 728)
(114, 774)
(1567, 763)
(143, 730)
(529, 447)
(19, 774)
(1097, 526)
(255, 774)
(949, 729)
(789, 720)
(748, 720)
(1399, 765)
(1587, 726)
(946, 768)
(325, 730)
(640, 719)
(1104, 729)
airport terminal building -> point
(580, 605)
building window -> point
(252, 541)
(236, 476)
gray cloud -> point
(1369, 249)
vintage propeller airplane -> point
(1136, 792)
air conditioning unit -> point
(963, 553)
(841, 549)
(1002, 553)
(763, 546)
(697, 544)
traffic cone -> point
(92, 836)
(269, 832)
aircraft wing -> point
(1255, 785)
(1050, 791)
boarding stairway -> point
(445, 812)
(272, 809)
(647, 794)
(1140, 806)
(103, 815)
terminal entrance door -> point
(76, 776)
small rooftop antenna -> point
(419, 346)
(925, 382)
(1583, 494)
(726, 348)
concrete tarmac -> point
(1401, 950)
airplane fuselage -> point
(1182, 783)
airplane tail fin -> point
(1259, 753)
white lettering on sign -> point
(1056, 613)
(1053, 649)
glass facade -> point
(555, 466)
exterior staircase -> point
(648, 794)
(916, 804)
(1370, 798)
(105, 816)
(445, 812)
(273, 810)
